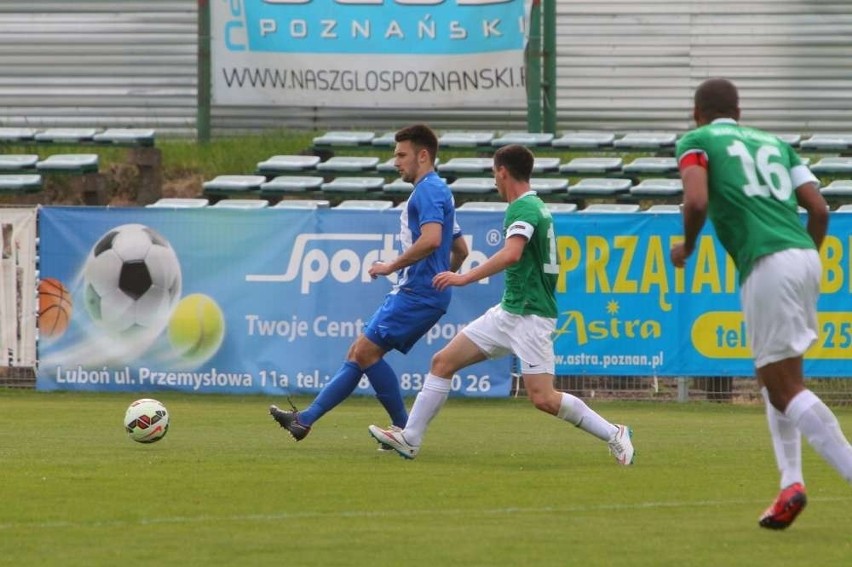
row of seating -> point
(630, 141)
(230, 186)
(108, 136)
(382, 205)
(461, 166)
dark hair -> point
(717, 98)
(421, 137)
(517, 159)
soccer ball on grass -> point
(146, 421)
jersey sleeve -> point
(690, 151)
(431, 205)
(799, 172)
(521, 220)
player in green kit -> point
(522, 323)
(750, 183)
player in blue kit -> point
(431, 243)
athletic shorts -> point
(400, 321)
(530, 337)
(779, 299)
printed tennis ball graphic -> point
(197, 327)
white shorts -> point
(779, 299)
(530, 337)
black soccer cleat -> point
(289, 420)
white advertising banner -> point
(369, 53)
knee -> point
(442, 365)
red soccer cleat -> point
(786, 507)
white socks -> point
(574, 410)
(787, 442)
(427, 404)
(820, 427)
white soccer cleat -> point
(384, 447)
(395, 440)
(620, 445)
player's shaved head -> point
(716, 98)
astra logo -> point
(309, 264)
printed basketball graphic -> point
(54, 308)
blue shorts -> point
(400, 322)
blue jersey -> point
(431, 201)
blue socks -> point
(338, 389)
(386, 384)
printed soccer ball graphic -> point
(146, 421)
(133, 281)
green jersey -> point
(751, 178)
(531, 281)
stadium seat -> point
(546, 165)
(611, 208)
(66, 135)
(651, 188)
(592, 165)
(467, 165)
(605, 187)
(651, 165)
(465, 139)
(276, 165)
(793, 139)
(18, 163)
(126, 137)
(483, 206)
(838, 188)
(178, 203)
(365, 205)
(584, 140)
(344, 139)
(528, 139)
(17, 135)
(30, 183)
(386, 140)
(301, 204)
(827, 142)
(68, 163)
(832, 166)
(474, 186)
(228, 185)
(548, 186)
(847, 208)
(663, 208)
(560, 208)
(290, 184)
(354, 185)
(348, 164)
(398, 187)
(646, 141)
(242, 204)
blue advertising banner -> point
(369, 53)
(625, 310)
(235, 301)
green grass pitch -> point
(496, 483)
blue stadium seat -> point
(179, 203)
(276, 165)
(592, 166)
(584, 140)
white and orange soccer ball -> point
(146, 421)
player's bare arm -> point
(429, 241)
(809, 197)
(508, 255)
(458, 253)
(694, 212)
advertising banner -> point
(625, 310)
(368, 53)
(234, 301)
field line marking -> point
(393, 514)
